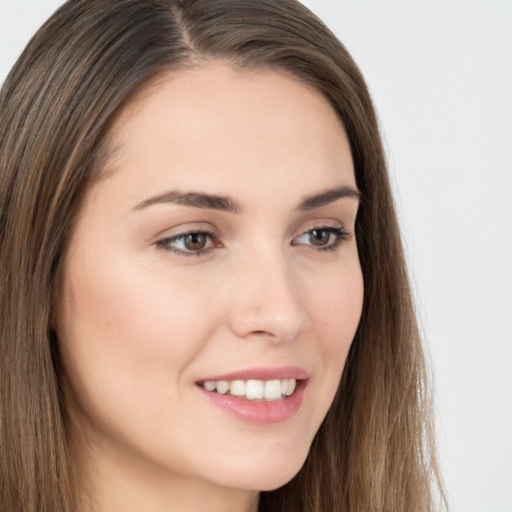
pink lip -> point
(260, 412)
(284, 372)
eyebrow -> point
(329, 196)
(226, 204)
(194, 200)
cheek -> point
(336, 313)
(122, 330)
(127, 338)
(128, 309)
(337, 310)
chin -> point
(267, 475)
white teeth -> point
(290, 388)
(253, 389)
(273, 390)
(222, 386)
(237, 387)
(210, 385)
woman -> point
(204, 298)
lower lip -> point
(259, 411)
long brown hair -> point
(374, 451)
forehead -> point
(224, 125)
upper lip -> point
(262, 373)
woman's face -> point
(218, 251)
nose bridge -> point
(268, 298)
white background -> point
(441, 76)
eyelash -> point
(340, 233)
(166, 242)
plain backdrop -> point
(440, 73)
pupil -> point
(320, 236)
(195, 241)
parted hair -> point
(374, 451)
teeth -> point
(273, 390)
(255, 390)
(222, 386)
(290, 388)
(269, 390)
(237, 387)
(210, 385)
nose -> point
(267, 299)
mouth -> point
(252, 389)
(258, 395)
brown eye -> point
(323, 238)
(195, 241)
(319, 237)
(190, 243)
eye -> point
(323, 238)
(189, 243)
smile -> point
(261, 395)
(252, 389)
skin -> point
(139, 323)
